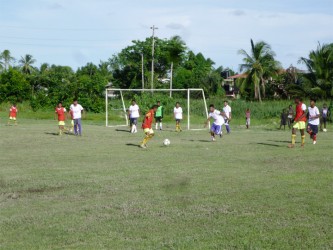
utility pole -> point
(152, 54)
(143, 73)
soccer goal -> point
(117, 102)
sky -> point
(75, 32)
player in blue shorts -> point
(216, 128)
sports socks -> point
(134, 130)
(293, 139)
(303, 139)
(160, 126)
(147, 138)
(178, 128)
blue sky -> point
(79, 31)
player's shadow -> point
(52, 133)
(279, 141)
(122, 130)
(198, 140)
(269, 144)
(57, 134)
(132, 145)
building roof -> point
(238, 76)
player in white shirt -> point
(178, 114)
(133, 115)
(77, 111)
(227, 115)
(216, 128)
(313, 121)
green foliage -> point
(259, 66)
(318, 82)
(46, 86)
(13, 86)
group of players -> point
(303, 114)
(75, 114)
(157, 111)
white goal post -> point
(109, 92)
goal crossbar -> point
(150, 90)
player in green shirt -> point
(159, 116)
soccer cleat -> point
(143, 146)
(325, 130)
(221, 135)
(314, 142)
(213, 139)
(302, 145)
(291, 145)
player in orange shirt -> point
(60, 112)
(13, 114)
(147, 126)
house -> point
(229, 85)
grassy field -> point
(101, 191)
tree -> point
(126, 66)
(13, 86)
(259, 66)
(318, 82)
(6, 59)
(26, 63)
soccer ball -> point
(166, 142)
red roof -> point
(238, 76)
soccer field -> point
(101, 191)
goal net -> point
(192, 101)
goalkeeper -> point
(159, 116)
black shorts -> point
(324, 119)
(158, 118)
(178, 120)
(133, 121)
(313, 128)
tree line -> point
(263, 76)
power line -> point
(57, 39)
(67, 29)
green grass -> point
(100, 191)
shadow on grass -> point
(57, 134)
(279, 141)
(122, 130)
(132, 145)
(197, 140)
(269, 144)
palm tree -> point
(319, 78)
(6, 58)
(176, 49)
(26, 64)
(259, 66)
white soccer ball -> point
(166, 142)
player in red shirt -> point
(300, 119)
(60, 112)
(147, 126)
(13, 114)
